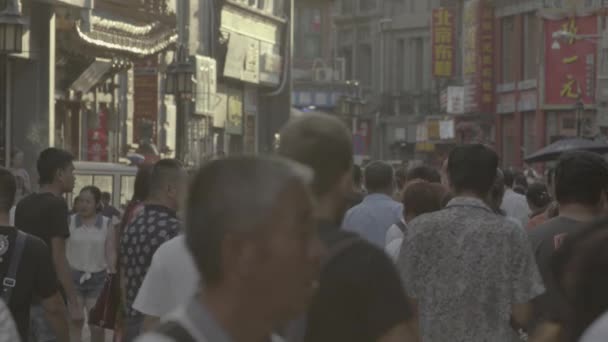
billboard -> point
(443, 42)
(478, 56)
(570, 63)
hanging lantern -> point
(179, 79)
(11, 28)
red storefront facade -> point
(539, 83)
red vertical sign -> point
(443, 42)
(570, 67)
(478, 60)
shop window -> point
(531, 46)
(417, 65)
(568, 123)
(508, 45)
(308, 33)
(347, 54)
(364, 63)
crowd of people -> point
(304, 246)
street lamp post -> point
(179, 83)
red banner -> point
(443, 42)
(570, 63)
(478, 60)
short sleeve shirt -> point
(545, 240)
(360, 297)
(466, 267)
(138, 243)
(43, 215)
(172, 280)
(36, 276)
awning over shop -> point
(119, 34)
(92, 75)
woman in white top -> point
(91, 254)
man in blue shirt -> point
(378, 212)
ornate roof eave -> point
(123, 37)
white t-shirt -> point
(598, 331)
(393, 248)
(86, 247)
(393, 233)
(516, 206)
(171, 281)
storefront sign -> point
(570, 70)
(206, 85)
(446, 130)
(145, 102)
(234, 119)
(506, 103)
(455, 99)
(478, 61)
(443, 42)
(527, 101)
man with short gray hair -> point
(360, 297)
(252, 234)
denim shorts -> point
(88, 286)
(40, 328)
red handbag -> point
(105, 311)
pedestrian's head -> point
(520, 183)
(168, 183)
(472, 170)
(141, 187)
(250, 226)
(538, 197)
(422, 198)
(56, 167)
(423, 173)
(324, 144)
(497, 192)
(379, 178)
(357, 176)
(89, 201)
(106, 198)
(17, 158)
(579, 267)
(8, 189)
(582, 178)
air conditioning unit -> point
(323, 75)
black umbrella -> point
(553, 151)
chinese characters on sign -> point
(487, 58)
(570, 70)
(478, 60)
(443, 42)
